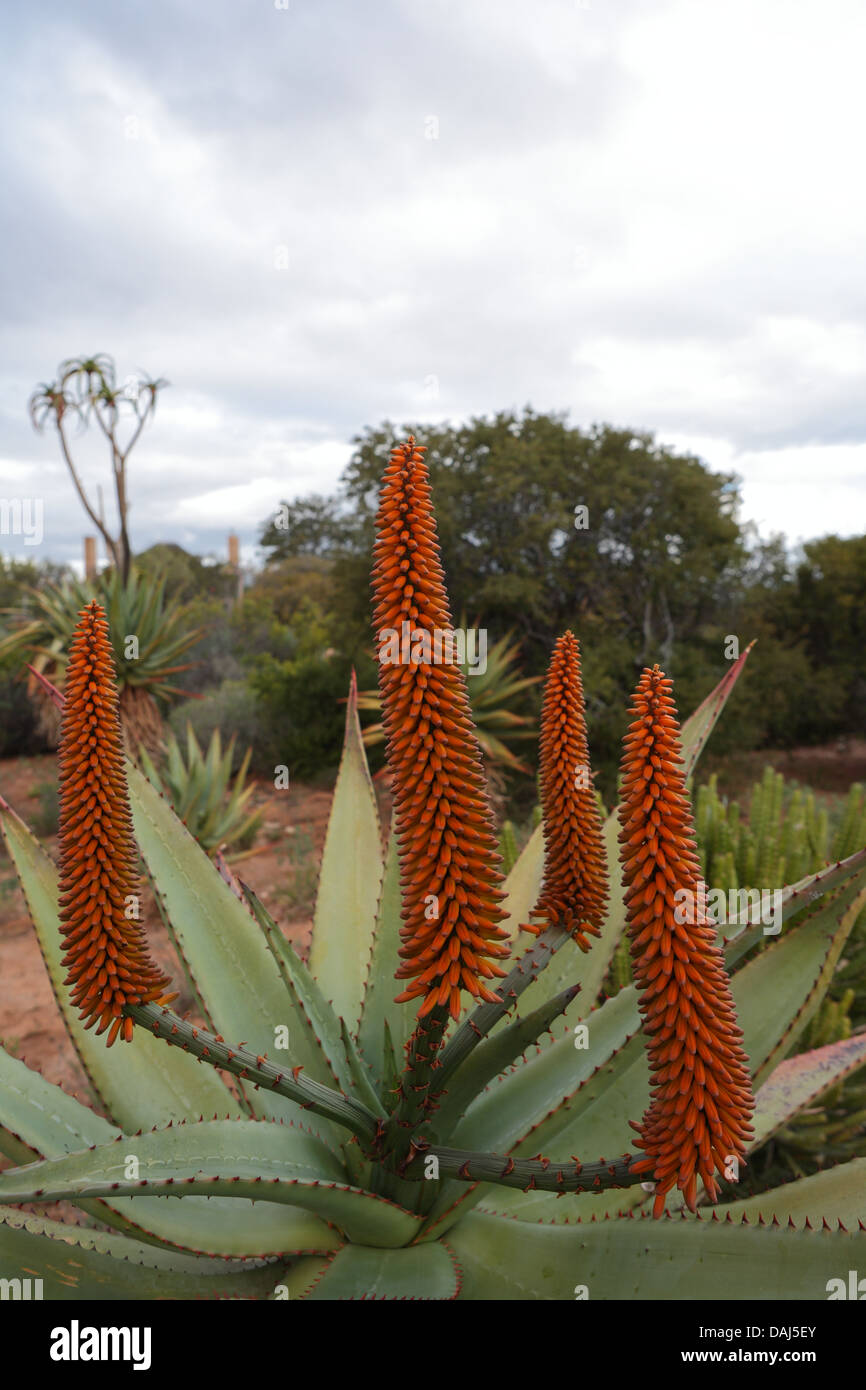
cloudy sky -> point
(313, 215)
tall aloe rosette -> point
(366, 1146)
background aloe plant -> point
(279, 1200)
(135, 608)
(210, 801)
(492, 692)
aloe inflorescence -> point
(574, 890)
(108, 964)
(698, 1119)
(449, 863)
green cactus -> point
(788, 836)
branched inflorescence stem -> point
(529, 1174)
(288, 1082)
(484, 1017)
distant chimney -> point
(89, 557)
(235, 566)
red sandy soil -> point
(282, 869)
(829, 769)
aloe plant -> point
(492, 690)
(423, 1145)
(208, 799)
(144, 666)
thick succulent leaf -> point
(38, 1120)
(836, 1195)
(349, 879)
(537, 1096)
(140, 1083)
(380, 986)
(75, 1263)
(300, 1277)
(801, 1080)
(425, 1272)
(241, 1159)
(697, 728)
(258, 1147)
(570, 965)
(493, 1057)
(342, 1066)
(39, 1117)
(529, 1093)
(794, 973)
(523, 884)
(743, 931)
(637, 1258)
(234, 974)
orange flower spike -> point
(698, 1119)
(574, 888)
(106, 957)
(449, 864)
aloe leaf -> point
(139, 1083)
(300, 1277)
(391, 1070)
(260, 1147)
(38, 1116)
(239, 1159)
(38, 1120)
(379, 1008)
(794, 973)
(323, 1027)
(514, 1105)
(700, 724)
(800, 1080)
(535, 1098)
(523, 884)
(335, 1060)
(236, 978)
(74, 1263)
(492, 1057)
(422, 1272)
(349, 879)
(833, 1195)
(743, 931)
(636, 1258)
(590, 1117)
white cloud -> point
(644, 214)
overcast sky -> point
(315, 215)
